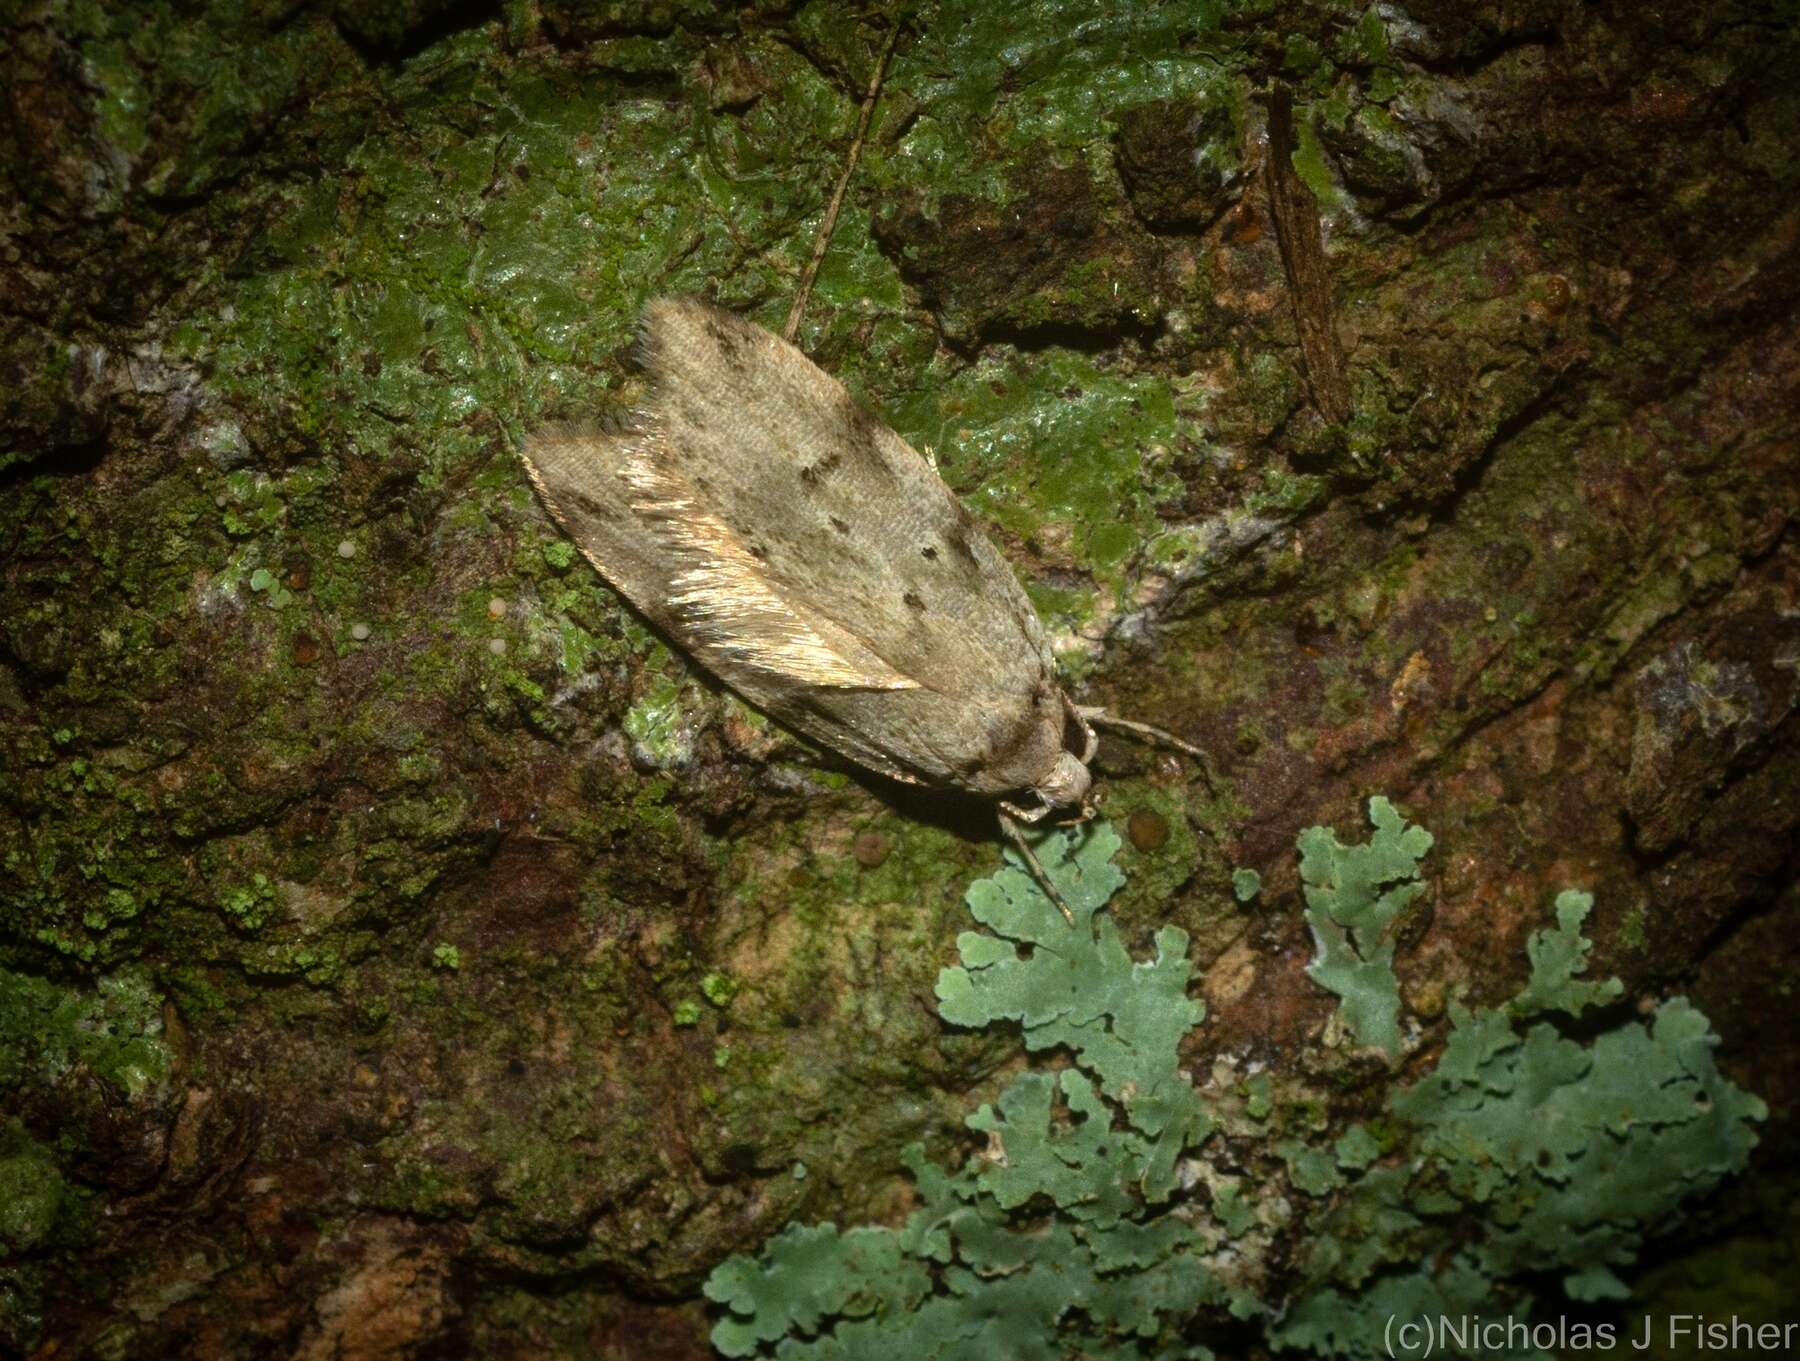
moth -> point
(808, 557)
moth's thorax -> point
(1032, 754)
(1065, 784)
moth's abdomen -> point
(988, 744)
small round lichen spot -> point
(496, 608)
(346, 549)
(1556, 295)
(870, 849)
(1428, 1000)
(1148, 830)
(497, 646)
(360, 632)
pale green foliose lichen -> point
(1100, 1260)
(1353, 895)
(659, 728)
(1091, 1225)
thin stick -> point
(1017, 836)
(1296, 214)
(829, 225)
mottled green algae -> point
(113, 1031)
(1041, 79)
(1056, 446)
(97, 1061)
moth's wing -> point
(582, 473)
(578, 470)
(836, 509)
(809, 557)
(985, 748)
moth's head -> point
(1065, 784)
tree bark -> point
(405, 953)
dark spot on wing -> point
(581, 501)
(962, 538)
(815, 473)
(731, 342)
(839, 525)
(914, 601)
(862, 435)
(929, 552)
(758, 552)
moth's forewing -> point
(844, 518)
(579, 472)
(807, 555)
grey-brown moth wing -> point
(807, 555)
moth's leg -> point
(1016, 834)
(1096, 715)
(1090, 741)
(1073, 817)
(1009, 809)
(1087, 812)
(1043, 810)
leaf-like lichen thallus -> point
(804, 553)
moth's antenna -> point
(1101, 719)
(1016, 835)
(820, 245)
